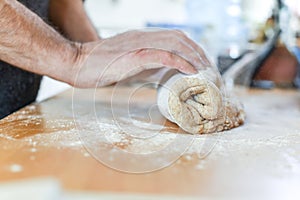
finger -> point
(200, 51)
(163, 40)
(148, 51)
(154, 58)
(135, 62)
(180, 46)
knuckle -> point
(181, 33)
(169, 56)
(141, 53)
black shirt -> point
(18, 87)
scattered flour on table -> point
(271, 129)
(15, 168)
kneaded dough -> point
(199, 103)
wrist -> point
(81, 75)
(73, 61)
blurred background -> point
(227, 29)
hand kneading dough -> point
(198, 103)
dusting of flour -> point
(272, 130)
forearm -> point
(71, 19)
(29, 43)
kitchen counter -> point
(102, 142)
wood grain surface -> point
(48, 139)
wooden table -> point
(55, 138)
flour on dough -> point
(199, 103)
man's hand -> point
(122, 56)
(29, 43)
